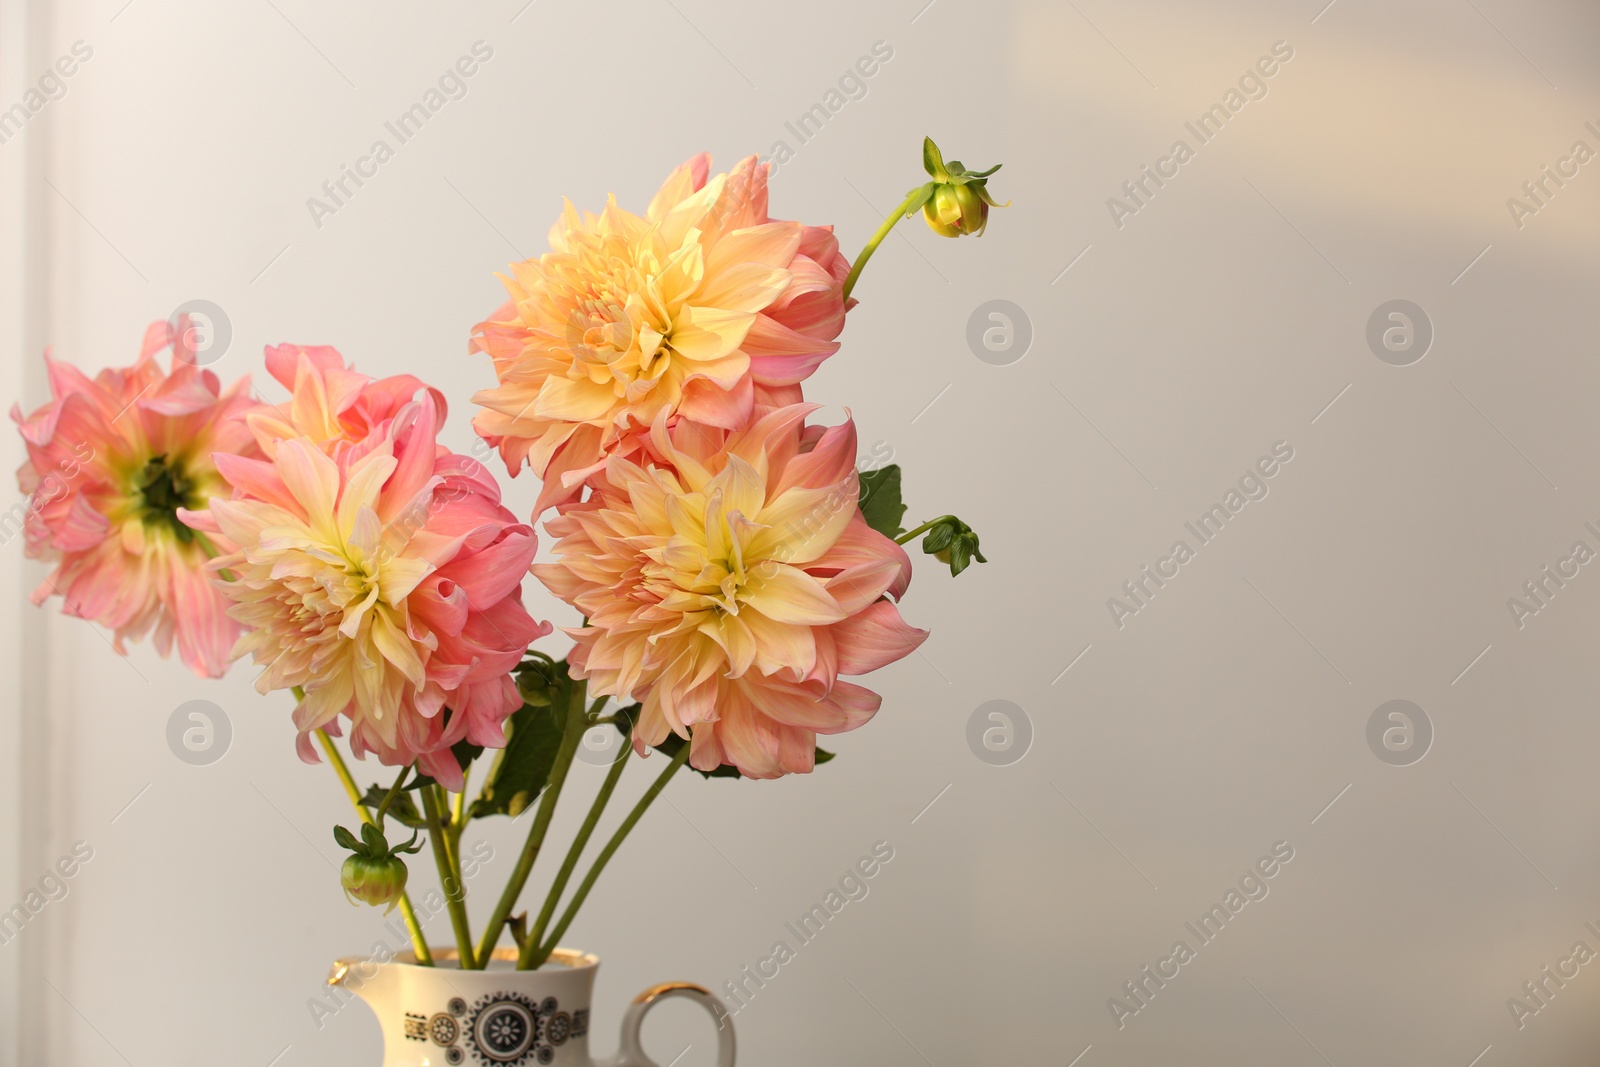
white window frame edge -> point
(24, 1011)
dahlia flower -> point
(385, 581)
(111, 461)
(329, 403)
(728, 590)
(696, 310)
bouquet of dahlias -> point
(730, 563)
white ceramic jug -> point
(503, 1017)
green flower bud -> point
(374, 881)
(374, 873)
(955, 210)
(954, 543)
(538, 680)
(957, 200)
(534, 689)
(940, 537)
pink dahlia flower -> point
(111, 461)
(692, 311)
(385, 581)
(729, 591)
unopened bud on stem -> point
(956, 201)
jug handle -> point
(631, 1053)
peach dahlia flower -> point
(111, 461)
(385, 581)
(692, 310)
(329, 403)
(729, 591)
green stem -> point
(441, 801)
(419, 944)
(534, 955)
(578, 843)
(454, 899)
(907, 538)
(388, 798)
(877, 239)
(458, 814)
(571, 734)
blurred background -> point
(1342, 278)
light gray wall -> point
(1168, 754)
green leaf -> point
(960, 555)
(932, 159)
(411, 846)
(348, 840)
(376, 843)
(823, 756)
(521, 770)
(939, 538)
(623, 719)
(918, 197)
(402, 809)
(987, 197)
(880, 500)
